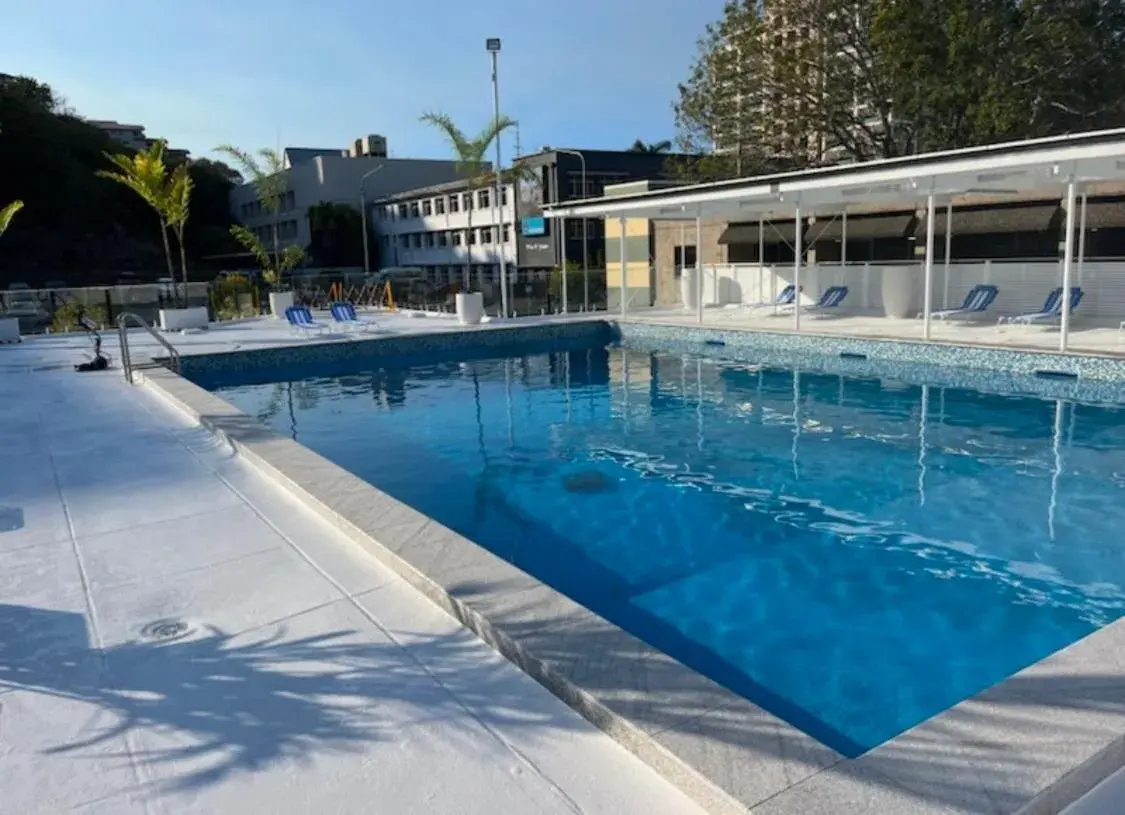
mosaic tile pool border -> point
(1031, 744)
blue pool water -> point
(854, 555)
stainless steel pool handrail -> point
(123, 337)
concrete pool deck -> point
(1032, 744)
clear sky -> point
(575, 73)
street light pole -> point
(585, 235)
(493, 46)
(363, 215)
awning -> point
(997, 219)
(773, 232)
(1103, 214)
(869, 227)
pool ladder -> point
(123, 337)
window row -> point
(285, 231)
(254, 209)
(455, 237)
(458, 202)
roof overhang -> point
(1000, 170)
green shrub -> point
(233, 296)
(66, 316)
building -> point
(430, 227)
(133, 137)
(314, 176)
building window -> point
(486, 234)
(427, 207)
(416, 240)
(456, 235)
(683, 257)
(442, 237)
(503, 196)
(467, 201)
(439, 206)
(484, 199)
(404, 240)
(506, 234)
(574, 228)
(428, 240)
(414, 212)
(290, 200)
(453, 200)
(472, 237)
(402, 210)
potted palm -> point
(266, 172)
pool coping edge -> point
(710, 776)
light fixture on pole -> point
(363, 215)
(585, 235)
(492, 45)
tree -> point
(8, 213)
(177, 206)
(275, 266)
(641, 146)
(270, 183)
(470, 155)
(145, 174)
(336, 235)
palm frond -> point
(291, 257)
(246, 162)
(177, 197)
(462, 147)
(8, 213)
(251, 244)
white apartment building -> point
(436, 228)
(314, 176)
(133, 137)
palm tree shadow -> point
(215, 705)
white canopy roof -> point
(995, 170)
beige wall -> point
(667, 238)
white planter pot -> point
(177, 319)
(900, 291)
(279, 301)
(470, 308)
(9, 329)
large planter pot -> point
(9, 329)
(901, 289)
(470, 308)
(279, 301)
(177, 319)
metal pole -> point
(585, 244)
(948, 253)
(928, 276)
(762, 298)
(699, 269)
(797, 271)
(499, 186)
(363, 214)
(1068, 263)
(1082, 241)
(562, 231)
(621, 222)
(844, 242)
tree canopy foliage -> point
(76, 225)
(336, 236)
(808, 82)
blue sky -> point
(575, 73)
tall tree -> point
(266, 171)
(336, 235)
(471, 156)
(177, 206)
(145, 174)
(8, 213)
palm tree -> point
(8, 213)
(268, 178)
(471, 157)
(641, 146)
(144, 173)
(177, 201)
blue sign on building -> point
(534, 225)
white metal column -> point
(762, 297)
(1068, 263)
(844, 241)
(562, 241)
(948, 253)
(797, 272)
(1082, 241)
(624, 265)
(928, 277)
(699, 269)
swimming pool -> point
(853, 554)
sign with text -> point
(534, 225)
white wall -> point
(1023, 285)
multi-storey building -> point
(315, 176)
(437, 227)
(133, 137)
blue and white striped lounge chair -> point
(784, 298)
(1052, 307)
(301, 318)
(344, 314)
(979, 298)
(830, 298)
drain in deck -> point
(165, 630)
